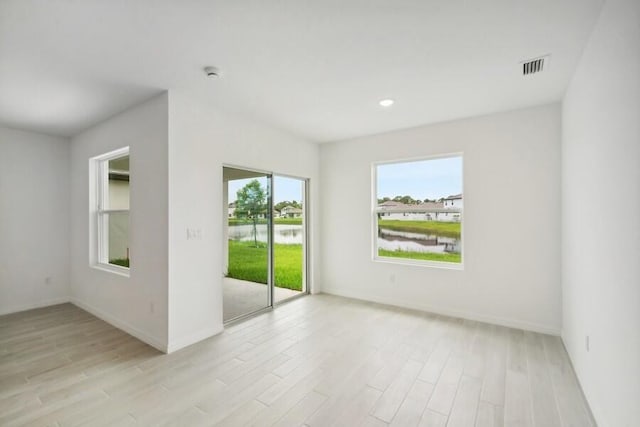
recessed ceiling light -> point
(386, 102)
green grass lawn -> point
(122, 262)
(246, 262)
(287, 221)
(427, 256)
(238, 221)
(441, 228)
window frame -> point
(99, 174)
(375, 210)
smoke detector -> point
(535, 65)
(212, 71)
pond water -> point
(282, 233)
(387, 239)
(416, 242)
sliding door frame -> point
(269, 216)
(305, 238)
(270, 234)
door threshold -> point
(248, 316)
(243, 317)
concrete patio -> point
(241, 297)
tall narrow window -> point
(417, 211)
(112, 209)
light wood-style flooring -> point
(318, 361)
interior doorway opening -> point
(265, 240)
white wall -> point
(137, 304)
(511, 263)
(202, 140)
(34, 220)
(601, 254)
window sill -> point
(420, 263)
(115, 269)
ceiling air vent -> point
(533, 66)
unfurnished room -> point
(320, 213)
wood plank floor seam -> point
(316, 361)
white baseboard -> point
(142, 336)
(194, 338)
(412, 305)
(596, 413)
(31, 306)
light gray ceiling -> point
(314, 68)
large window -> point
(112, 179)
(418, 211)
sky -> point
(424, 179)
(284, 188)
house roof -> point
(454, 197)
(428, 207)
(391, 203)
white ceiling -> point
(314, 68)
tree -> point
(407, 200)
(252, 201)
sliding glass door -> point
(247, 281)
(265, 252)
(289, 249)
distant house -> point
(232, 209)
(428, 211)
(290, 212)
(454, 201)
